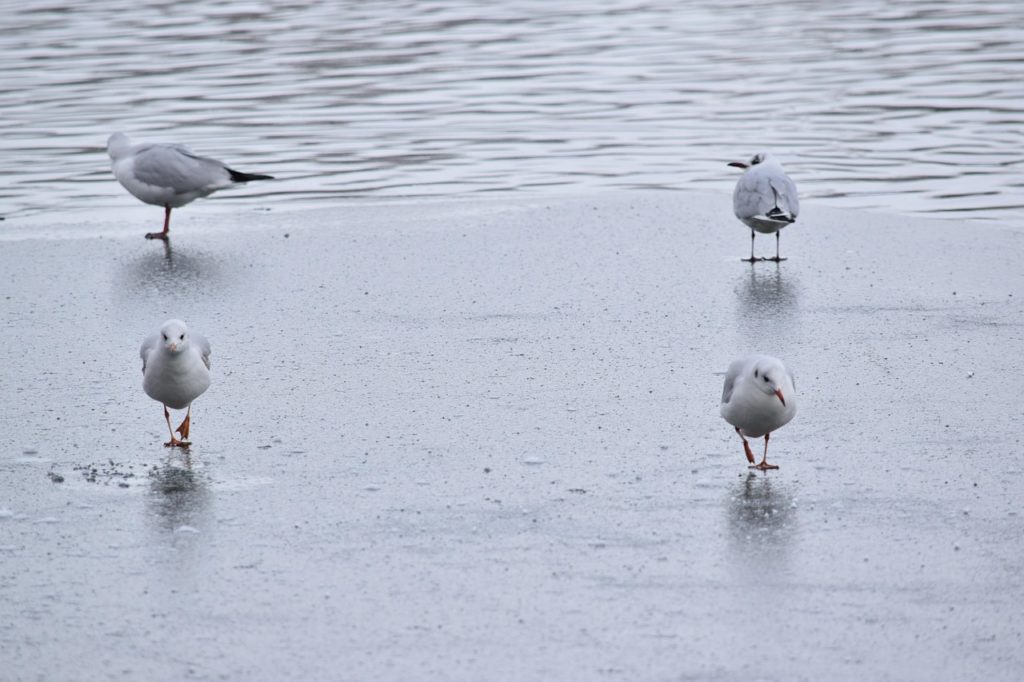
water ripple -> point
(912, 106)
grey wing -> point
(753, 196)
(148, 345)
(204, 347)
(730, 380)
(175, 167)
(785, 193)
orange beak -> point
(779, 394)
(737, 164)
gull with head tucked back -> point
(764, 200)
(759, 396)
(175, 371)
(169, 175)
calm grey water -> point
(905, 106)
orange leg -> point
(183, 429)
(764, 465)
(167, 226)
(173, 442)
(746, 446)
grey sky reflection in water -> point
(913, 106)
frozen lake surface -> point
(479, 440)
(907, 106)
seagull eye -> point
(165, 337)
(182, 337)
(766, 378)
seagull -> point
(175, 371)
(764, 199)
(169, 175)
(759, 396)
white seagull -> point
(759, 396)
(764, 199)
(169, 175)
(175, 371)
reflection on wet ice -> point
(767, 291)
(179, 496)
(762, 516)
(170, 271)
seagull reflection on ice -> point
(762, 515)
(178, 495)
(173, 271)
(767, 293)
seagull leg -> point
(764, 465)
(173, 441)
(746, 446)
(777, 258)
(751, 259)
(183, 429)
(167, 226)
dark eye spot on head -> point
(165, 337)
(182, 337)
(756, 374)
(766, 378)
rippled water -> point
(906, 106)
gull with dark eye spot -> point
(169, 175)
(759, 396)
(175, 371)
(764, 200)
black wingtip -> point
(238, 176)
(779, 214)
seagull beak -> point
(778, 393)
(737, 164)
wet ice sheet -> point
(479, 441)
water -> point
(912, 107)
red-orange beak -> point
(738, 164)
(779, 394)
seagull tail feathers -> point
(779, 214)
(238, 176)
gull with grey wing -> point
(765, 199)
(169, 175)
